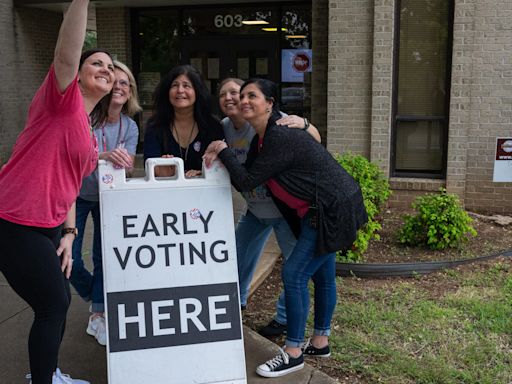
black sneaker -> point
(273, 329)
(281, 365)
(309, 350)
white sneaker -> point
(98, 329)
(61, 378)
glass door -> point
(218, 58)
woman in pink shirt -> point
(40, 182)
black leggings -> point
(29, 262)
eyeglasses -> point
(122, 83)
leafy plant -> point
(440, 222)
(91, 40)
(375, 188)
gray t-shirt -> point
(124, 132)
(259, 201)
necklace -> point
(175, 132)
(120, 139)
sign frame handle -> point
(153, 162)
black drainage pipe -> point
(406, 269)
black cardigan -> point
(306, 170)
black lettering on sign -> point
(167, 317)
(170, 223)
(126, 226)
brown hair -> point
(100, 112)
(227, 80)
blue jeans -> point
(251, 235)
(302, 265)
(89, 286)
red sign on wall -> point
(301, 62)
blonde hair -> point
(132, 106)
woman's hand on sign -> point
(215, 147)
(119, 157)
(64, 252)
(192, 173)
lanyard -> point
(120, 142)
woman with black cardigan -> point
(323, 197)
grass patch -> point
(403, 333)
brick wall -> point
(349, 76)
(320, 21)
(9, 110)
(113, 29)
(382, 83)
(360, 95)
(481, 101)
(27, 42)
(405, 190)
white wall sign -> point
(170, 274)
(503, 160)
(294, 62)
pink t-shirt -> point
(51, 156)
(301, 206)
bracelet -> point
(73, 231)
(306, 124)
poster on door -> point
(503, 160)
(294, 63)
(170, 277)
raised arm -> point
(69, 44)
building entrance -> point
(219, 58)
(271, 41)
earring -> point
(268, 110)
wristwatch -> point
(74, 231)
(306, 124)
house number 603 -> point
(228, 21)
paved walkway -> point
(81, 355)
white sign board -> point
(294, 63)
(170, 277)
(503, 160)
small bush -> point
(441, 222)
(375, 188)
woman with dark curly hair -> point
(182, 124)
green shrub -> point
(440, 222)
(375, 188)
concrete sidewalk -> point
(82, 357)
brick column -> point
(382, 83)
(320, 21)
(350, 76)
(460, 96)
(114, 33)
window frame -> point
(445, 119)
